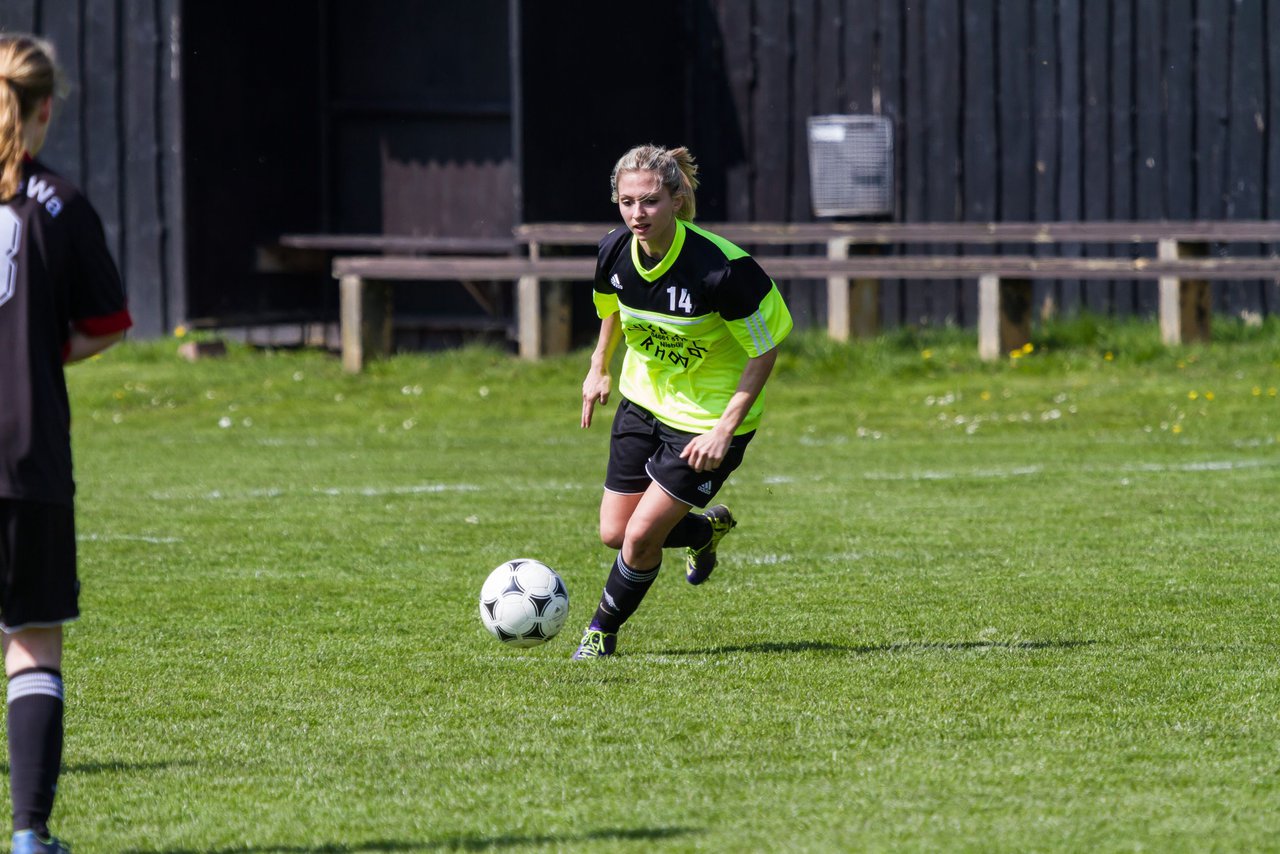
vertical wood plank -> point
(979, 130)
(1046, 111)
(1071, 144)
(1271, 209)
(736, 22)
(1178, 129)
(1246, 162)
(803, 104)
(18, 16)
(943, 29)
(62, 25)
(143, 249)
(914, 151)
(858, 53)
(173, 164)
(1148, 110)
(1213, 103)
(829, 77)
(1096, 187)
(1013, 77)
(808, 300)
(771, 113)
(102, 131)
(890, 51)
(1122, 152)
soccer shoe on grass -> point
(699, 562)
(26, 842)
(596, 644)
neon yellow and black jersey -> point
(690, 323)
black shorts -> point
(643, 450)
(38, 584)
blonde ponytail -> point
(674, 167)
(11, 147)
(28, 75)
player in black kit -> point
(61, 301)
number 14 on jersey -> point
(683, 302)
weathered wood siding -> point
(1040, 109)
(117, 135)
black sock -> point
(35, 746)
(623, 591)
(693, 530)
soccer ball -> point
(523, 602)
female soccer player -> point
(60, 301)
(702, 323)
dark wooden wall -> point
(118, 137)
(1036, 109)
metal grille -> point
(851, 165)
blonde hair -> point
(674, 167)
(28, 75)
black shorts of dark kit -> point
(643, 450)
(38, 584)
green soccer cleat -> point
(700, 562)
(596, 644)
(27, 842)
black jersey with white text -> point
(55, 274)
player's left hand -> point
(707, 451)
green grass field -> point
(1028, 606)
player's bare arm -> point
(84, 346)
(707, 451)
(599, 382)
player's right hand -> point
(595, 389)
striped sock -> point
(35, 746)
(693, 531)
(623, 592)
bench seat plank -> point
(887, 234)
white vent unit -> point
(851, 165)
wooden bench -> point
(1180, 264)
(853, 286)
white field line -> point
(275, 492)
(1027, 471)
(127, 538)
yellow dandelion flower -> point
(1257, 391)
(1177, 428)
(1028, 347)
(926, 354)
(1271, 392)
(1192, 395)
(1109, 356)
(986, 395)
(1208, 395)
(180, 331)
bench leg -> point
(529, 317)
(1004, 316)
(543, 317)
(1186, 305)
(365, 315)
(853, 308)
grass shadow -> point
(787, 647)
(118, 766)
(452, 843)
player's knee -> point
(642, 544)
(612, 536)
